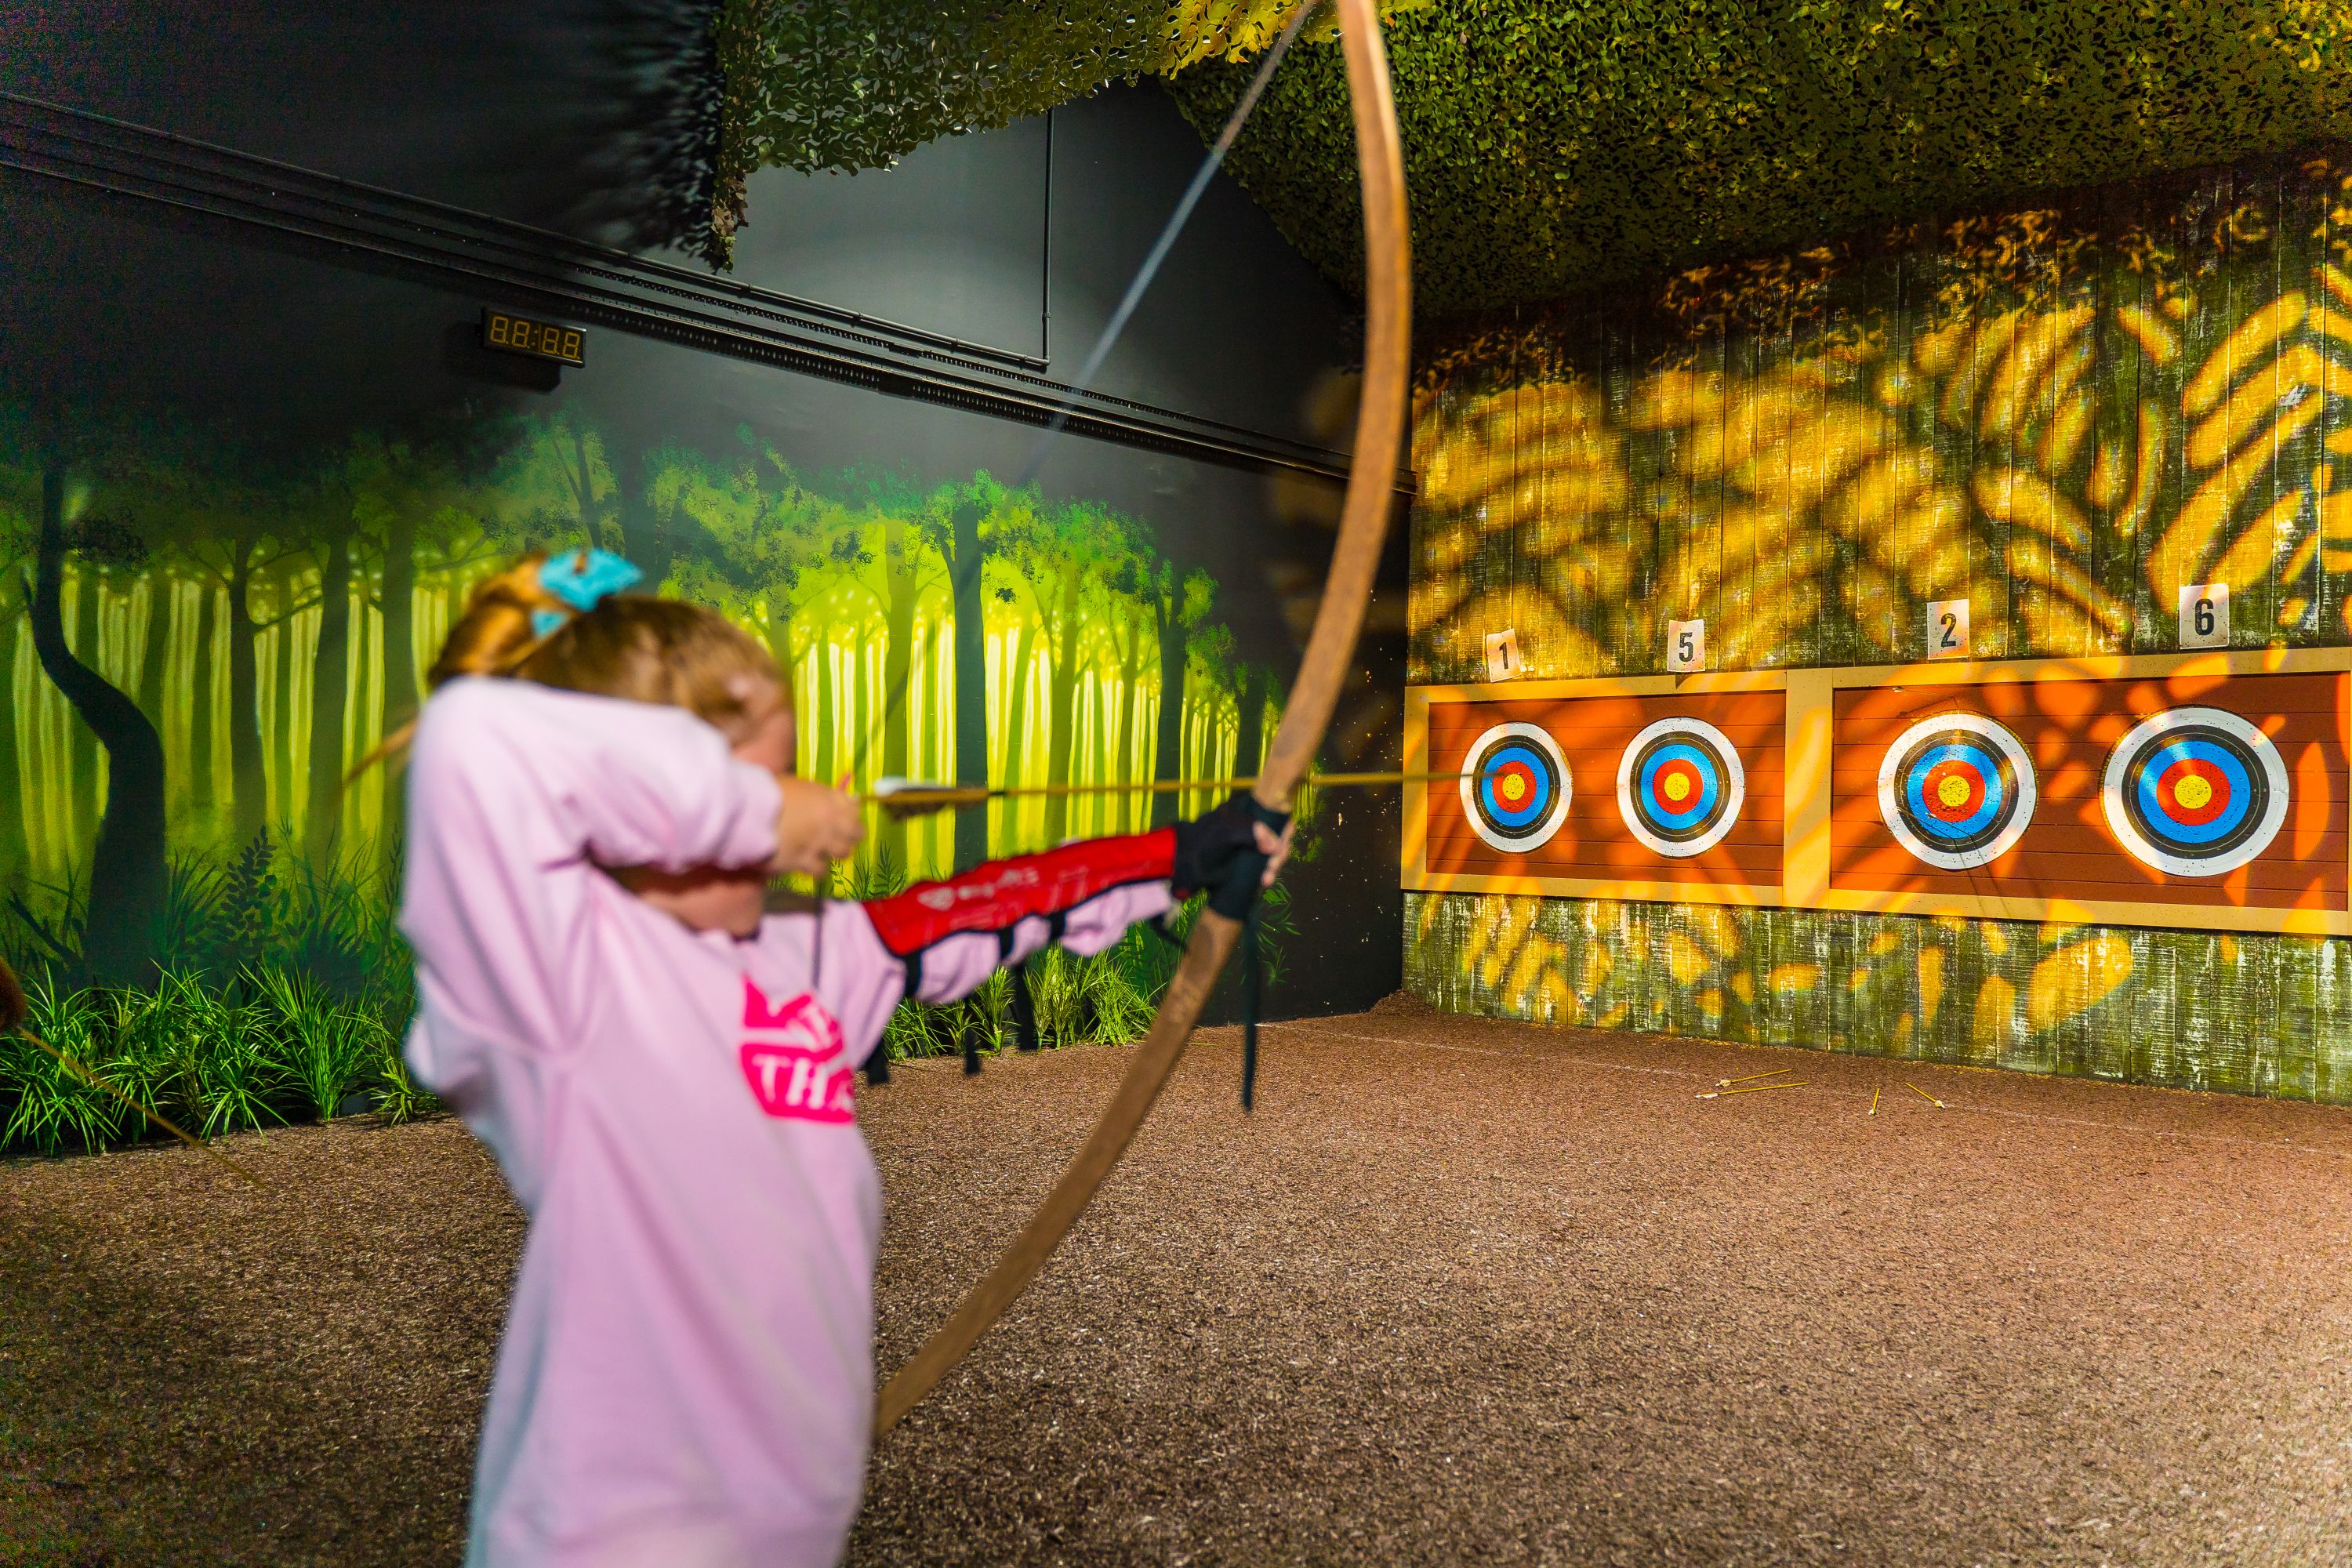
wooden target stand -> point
(1811, 833)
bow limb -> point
(1380, 431)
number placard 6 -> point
(2205, 615)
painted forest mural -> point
(198, 640)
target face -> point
(1680, 786)
(1515, 787)
(2196, 791)
(1956, 790)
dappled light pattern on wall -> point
(2241, 1015)
(2062, 423)
(2063, 416)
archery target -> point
(1956, 790)
(1515, 787)
(1680, 786)
(2196, 791)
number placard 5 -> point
(1947, 629)
(2205, 615)
(1685, 646)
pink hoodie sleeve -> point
(517, 793)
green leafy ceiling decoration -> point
(854, 84)
(1552, 146)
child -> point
(665, 1071)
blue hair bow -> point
(582, 579)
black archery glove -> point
(1218, 851)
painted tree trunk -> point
(824, 715)
(155, 648)
(249, 779)
(14, 838)
(82, 747)
(1020, 648)
(122, 934)
(284, 739)
(970, 680)
(1131, 698)
(1249, 740)
(399, 601)
(204, 799)
(331, 675)
(898, 665)
(1063, 703)
(1168, 750)
(398, 597)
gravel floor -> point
(1460, 1291)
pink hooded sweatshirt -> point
(687, 1379)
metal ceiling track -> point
(533, 268)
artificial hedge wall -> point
(1550, 147)
(854, 84)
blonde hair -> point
(642, 648)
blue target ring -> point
(1680, 786)
(2196, 791)
(1956, 790)
(1516, 787)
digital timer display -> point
(543, 340)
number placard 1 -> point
(1503, 662)
(2205, 616)
(1947, 629)
(1685, 646)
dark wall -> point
(249, 362)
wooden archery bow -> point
(1380, 431)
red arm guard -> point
(998, 894)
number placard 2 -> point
(2205, 615)
(1685, 646)
(1947, 629)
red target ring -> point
(1954, 791)
(1675, 786)
(2194, 791)
(1515, 784)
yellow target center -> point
(1677, 787)
(1514, 787)
(2193, 793)
(1952, 789)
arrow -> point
(1753, 1088)
(909, 797)
(1923, 1094)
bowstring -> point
(1109, 336)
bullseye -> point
(2196, 791)
(1516, 787)
(1680, 786)
(1956, 790)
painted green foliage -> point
(267, 626)
(1551, 148)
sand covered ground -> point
(1459, 1291)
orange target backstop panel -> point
(2197, 789)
